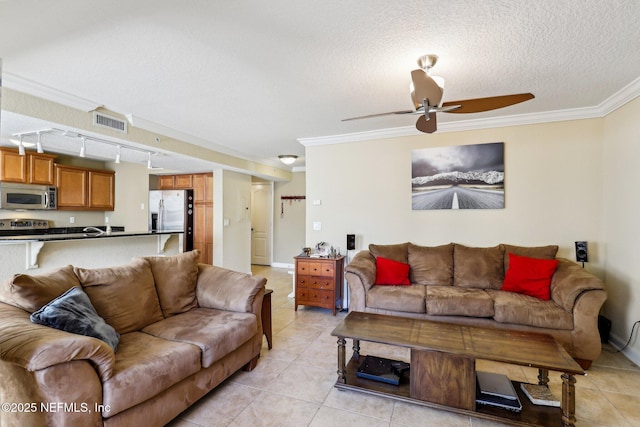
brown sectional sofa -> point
(460, 284)
(183, 328)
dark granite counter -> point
(80, 236)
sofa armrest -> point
(363, 265)
(35, 347)
(228, 290)
(569, 281)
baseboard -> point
(630, 353)
(282, 265)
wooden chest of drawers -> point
(319, 282)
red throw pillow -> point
(390, 272)
(530, 276)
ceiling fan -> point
(426, 95)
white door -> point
(261, 213)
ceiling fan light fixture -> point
(288, 159)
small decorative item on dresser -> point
(319, 282)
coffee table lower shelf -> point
(531, 414)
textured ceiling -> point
(254, 76)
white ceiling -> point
(252, 77)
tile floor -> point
(293, 382)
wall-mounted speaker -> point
(351, 242)
(582, 255)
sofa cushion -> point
(175, 278)
(390, 272)
(522, 309)
(453, 301)
(409, 299)
(216, 332)
(395, 252)
(72, 312)
(530, 276)
(125, 296)
(541, 252)
(431, 265)
(145, 366)
(225, 289)
(30, 293)
(478, 267)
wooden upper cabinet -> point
(101, 190)
(72, 187)
(41, 169)
(165, 182)
(85, 189)
(183, 182)
(32, 168)
(203, 188)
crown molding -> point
(615, 101)
(30, 87)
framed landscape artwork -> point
(458, 177)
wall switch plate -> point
(317, 202)
(317, 225)
(225, 222)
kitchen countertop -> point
(79, 236)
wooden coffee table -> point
(442, 373)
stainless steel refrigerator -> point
(172, 210)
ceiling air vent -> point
(109, 122)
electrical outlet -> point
(72, 220)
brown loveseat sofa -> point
(183, 328)
(460, 284)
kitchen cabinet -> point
(85, 189)
(183, 182)
(165, 182)
(203, 188)
(32, 168)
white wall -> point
(553, 191)
(232, 198)
(621, 223)
(289, 228)
(132, 193)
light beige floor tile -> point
(271, 409)
(304, 382)
(615, 380)
(285, 349)
(407, 414)
(593, 407)
(263, 375)
(221, 406)
(365, 404)
(628, 405)
(330, 417)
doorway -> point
(261, 220)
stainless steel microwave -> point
(27, 196)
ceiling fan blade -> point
(379, 115)
(424, 87)
(427, 126)
(479, 105)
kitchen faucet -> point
(95, 230)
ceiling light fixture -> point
(287, 159)
(39, 148)
(83, 149)
(118, 155)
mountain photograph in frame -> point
(458, 177)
